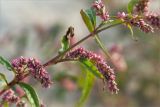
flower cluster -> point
(23, 66)
(135, 21)
(100, 9)
(153, 19)
(117, 58)
(141, 24)
(142, 6)
(102, 66)
(21, 104)
(10, 97)
(147, 21)
(121, 15)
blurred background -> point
(33, 28)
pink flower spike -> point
(99, 62)
(32, 66)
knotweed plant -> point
(138, 15)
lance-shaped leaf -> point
(91, 67)
(5, 104)
(131, 30)
(111, 22)
(87, 87)
(6, 63)
(65, 41)
(92, 16)
(101, 45)
(99, 41)
(89, 18)
(64, 44)
(131, 5)
(31, 94)
(3, 78)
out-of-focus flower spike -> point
(142, 6)
(153, 19)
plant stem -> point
(55, 59)
(65, 60)
(52, 61)
(107, 27)
(96, 31)
(11, 84)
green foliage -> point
(91, 67)
(6, 63)
(64, 44)
(89, 18)
(3, 78)
(87, 87)
(5, 104)
(91, 72)
(92, 16)
(131, 5)
(111, 22)
(131, 30)
(99, 41)
(31, 94)
(101, 45)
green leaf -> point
(88, 84)
(97, 38)
(89, 18)
(111, 22)
(101, 45)
(131, 5)
(6, 63)
(92, 16)
(91, 67)
(131, 30)
(31, 94)
(64, 44)
(6, 104)
(3, 78)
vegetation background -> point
(33, 28)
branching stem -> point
(57, 59)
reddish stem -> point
(11, 84)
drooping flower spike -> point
(98, 61)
